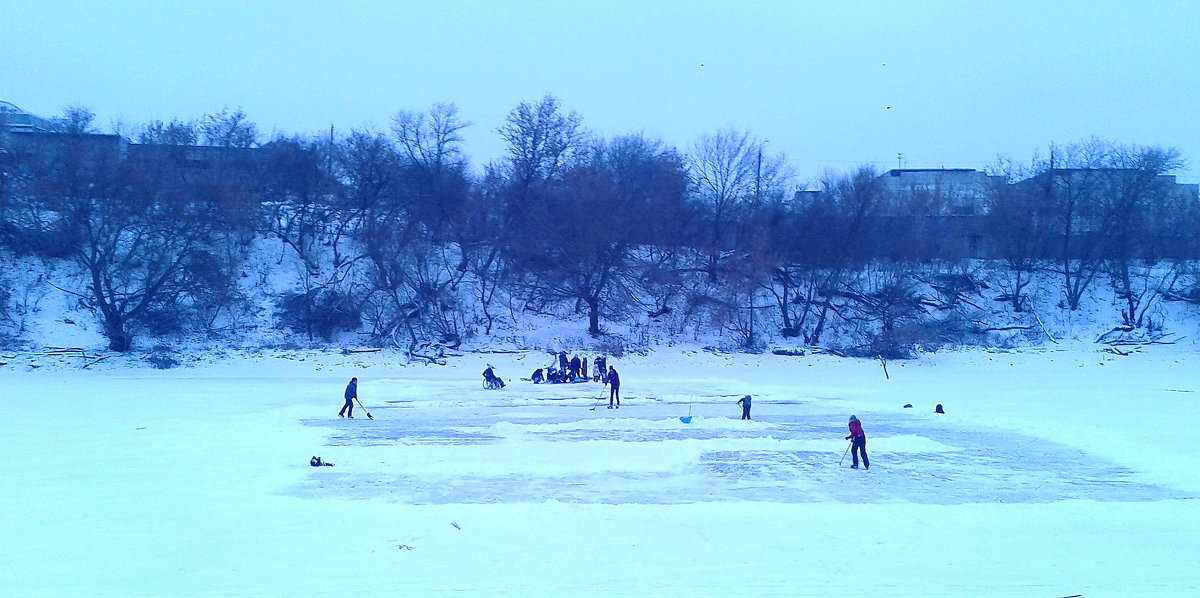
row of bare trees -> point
(1093, 210)
(392, 232)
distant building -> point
(1102, 180)
(939, 191)
(946, 213)
(195, 158)
(21, 131)
(16, 120)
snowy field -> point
(1066, 471)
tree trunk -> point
(593, 317)
(114, 331)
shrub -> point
(320, 312)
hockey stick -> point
(846, 453)
(369, 416)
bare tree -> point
(840, 232)
(409, 278)
(176, 132)
(300, 196)
(367, 166)
(1137, 189)
(229, 129)
(77, 120)
(431, 139)
(542, 140)
(435, 170)
(1097, 193)
(138, 249)
(727, 168)
(1016, 220)
(574, 251)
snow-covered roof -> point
(16, 119)
(10, 108)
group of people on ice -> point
(575, 369)
(578, 367)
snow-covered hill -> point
(45, 309)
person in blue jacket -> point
(614, 387)
(745, 402)
(350, 394)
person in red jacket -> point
(858, 443)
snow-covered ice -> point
(1054, 472)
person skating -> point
(858, 443)
(614, 387)
(350, 394)
(745, 402)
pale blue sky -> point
(964, 81)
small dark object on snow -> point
(455, 525)
(317, 462)
(939, 409)
(908, 405)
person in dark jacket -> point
(583, 371)
(858, 443)
(563, 366)
(745, 402)
(537, 376)
(575, 363)
(601, 369)
(614, 387)
(350, 394)
(490, 379)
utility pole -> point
(758, 173)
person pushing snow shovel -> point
(351, 394)
(745, 403)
